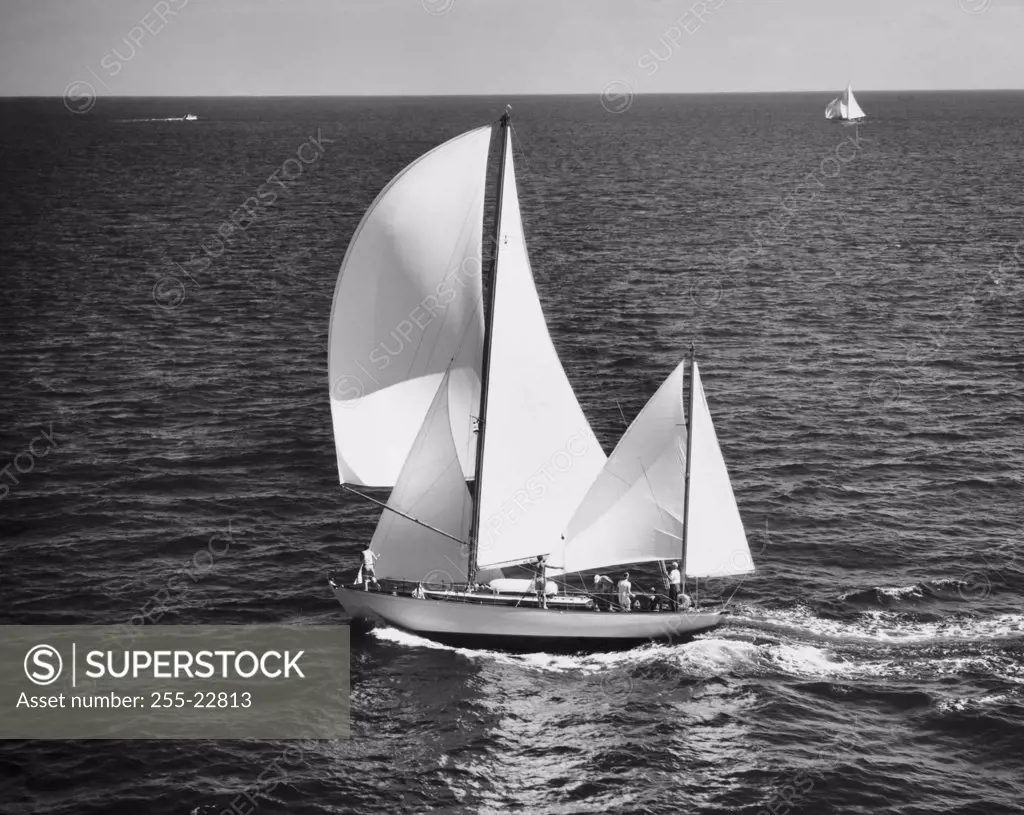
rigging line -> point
(426, 493)
(381, 504)
(622, 415)
(522, 150)
(583, 583)
(732, 595)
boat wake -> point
(797, 643)
(879, 627)
(162, 119)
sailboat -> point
(844, 108)
(431, 391)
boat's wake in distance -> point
(188, 118)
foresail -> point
(539, 455)
(716, 543)
(633, 511)
(853, 110)
(834, 109)
(431, 488)
(408, 302)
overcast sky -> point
(341, 47)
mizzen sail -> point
(633, 511)
(407, 304)
(716, 543)
(539, 454)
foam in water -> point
(964, 704)
(878, 626)
(703, 658)
(708, 656)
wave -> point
(881, 594)
(970, 587)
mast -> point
(485, 374)
(689, 457)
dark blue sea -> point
(854, 294)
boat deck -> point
(481, 595)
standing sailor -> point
(626, 593)
(369, 558)
(675, 579)
(542, 582)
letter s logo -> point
(39, 664)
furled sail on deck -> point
(431, 488)
(716, 543)
(633, 511)
(540, 455)
(408, 301)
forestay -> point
(407, 303)
(540, 455)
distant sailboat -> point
(844, 108)
(429, 389)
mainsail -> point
(407, 303)
(633, 512)
(539, 454)
(716, 544)
(431, 488)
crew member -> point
(369, 558)
(542, 581)
(675, 580)
(625, 593)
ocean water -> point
(854, 295)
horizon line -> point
(4, 97)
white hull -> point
(521, 629)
